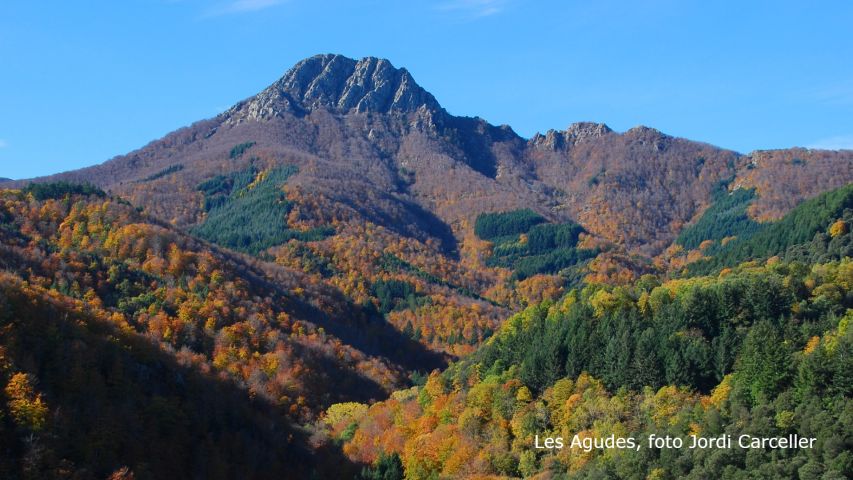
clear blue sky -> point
(81, 82)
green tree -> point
(764, 364)
(386, 467)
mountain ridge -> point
(364, 128)
(340, 238)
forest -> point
(763, 350)
(245, 209)
(366, 351)
(85, 397)
(329, 340)
(527, 245)
(758, 242)
(338, 278)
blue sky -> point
(83, 81)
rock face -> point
(576, 133)
(339, 85)
(585, 130)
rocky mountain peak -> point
(644, 135)
(340, 85)
(583, 130)
(644, 131)
(576, 132)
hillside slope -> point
(278, 333)
(762, 352)
(84, 396)
(366, 137)
(310, 260)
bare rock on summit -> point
(577, 132)
(339, 85)
(584, 130)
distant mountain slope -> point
(366, 136)
(783, 178)
(637, 189)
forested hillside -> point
(741, 240)
(525, 243)
(760, 350)
(337, 278)
(85, 396)
(205, 306)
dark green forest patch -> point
(162, 173)
(726, 217)
(525, 243)
(59, 190)
(240, 149)
(797, 227)
(247, 211)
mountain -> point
(329, 274)
(368, 139)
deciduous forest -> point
(337, 278)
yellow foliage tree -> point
(28, 409)
(347, 411)
(838, 228)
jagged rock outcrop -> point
(339, 85)
(644, 135)
(577, 132)
(585, 130)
